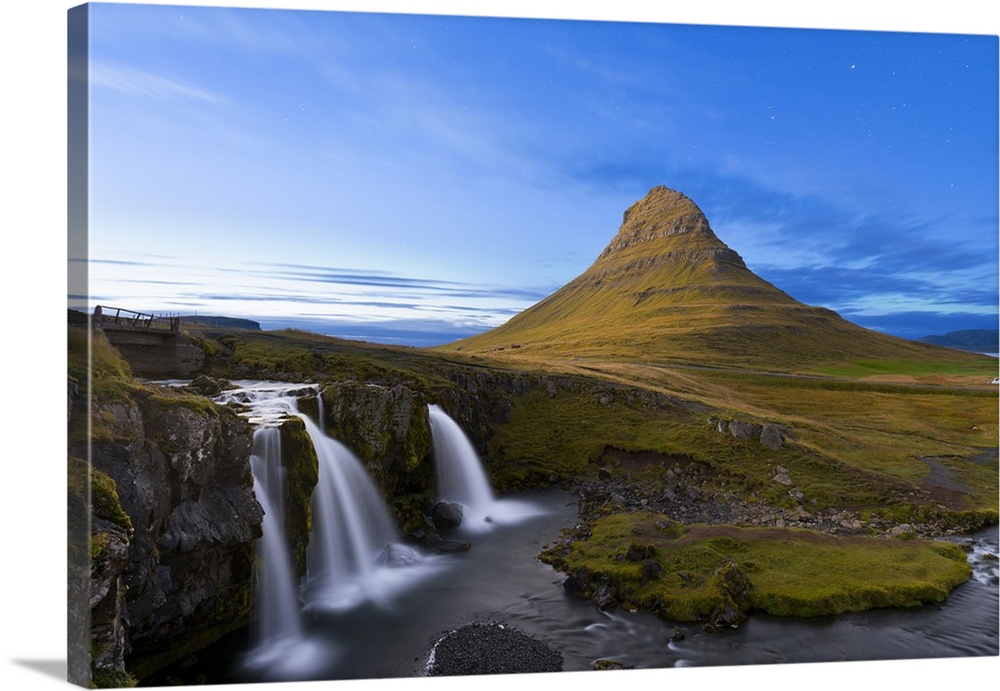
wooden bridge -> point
(118, 319)
(153, 345)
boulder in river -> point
(446, 514)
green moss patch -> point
(104, 500)
(676, 571)
(174, 397)
(567, 434)
(92, 359)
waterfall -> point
(280, 647)
(462, 479)
(460, 474)
(354, 537)
(268, 472)
(321, 415)
(278, 619)
(353, 555)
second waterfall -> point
(462, 480)
(354, 544)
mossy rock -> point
(387, 427)
(734, 589)
(302, 473)
(105, 502)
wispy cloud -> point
(355, 277)
(136, 82)
(346, 295)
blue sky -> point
(417, 178)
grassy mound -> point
(648, 561)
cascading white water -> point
(353, 533)
(278, 622)
(462, 479)
(280, 645)
(267, 470)
(353, 554)
(460, 474)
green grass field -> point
(975, 371)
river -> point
(500, 578)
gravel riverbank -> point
(491, 648)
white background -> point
(32, 609)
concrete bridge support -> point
(154, 347)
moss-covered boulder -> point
(734, 589)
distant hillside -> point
(227, 322)
(977, 340)
(667, 288)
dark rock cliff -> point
(183, 577)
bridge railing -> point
(119, 318)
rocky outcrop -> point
(110, 539)
(180, 472)
(446, 515)
(298, 457)
(387, 427)
(769, 434)
(99, 536)
(481, 399)
(772, 436)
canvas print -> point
(410, 345)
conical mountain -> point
(668, 289)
